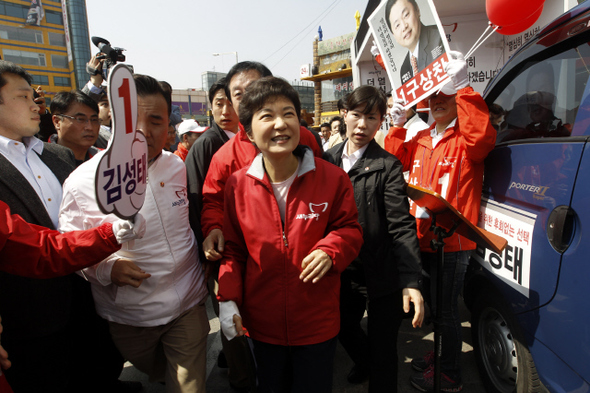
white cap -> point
(190, 125)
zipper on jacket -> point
(285, 242)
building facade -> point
(208, 78)
(193, 104)
(331, 74)
(53, 52)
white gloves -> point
(226, 318)
(125, 230)
(398, 113)
(374, 49)
(456, 68)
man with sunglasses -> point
(75, 117)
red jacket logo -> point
(315, 209)
(448, 161)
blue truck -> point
(529, 304)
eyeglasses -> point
(82, 119)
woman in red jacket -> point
(290, 224)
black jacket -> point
(390, 256)
(32, 307)
(197, 164)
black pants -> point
(95, 362)
(39, 364)
(81, 357)
(378, 351)
(295, 369)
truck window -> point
(542, 100)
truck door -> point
(530, 175)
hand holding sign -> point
(121, 176)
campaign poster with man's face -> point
(413, 46)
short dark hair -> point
(325, 125)
(342, 103)
(368, 96)
(166, 86)
(391, 3)
(8, 67)
(220, 84)
(262, 91)
(245, 66)
(147, 86)
(104, 94)
(336, 118)
(64, 100)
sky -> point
(174, 40)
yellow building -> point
(41, 49)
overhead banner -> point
(413, 46)
(64, 14)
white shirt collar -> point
(348, 161)
(416, 51)
(229, 134)
(28, 144)
(436, 137)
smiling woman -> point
(285, 235)
(271, 121)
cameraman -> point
(98, 93)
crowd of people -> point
(294, 236)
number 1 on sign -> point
(124, 94)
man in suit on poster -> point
(424, 43)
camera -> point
(111, 55)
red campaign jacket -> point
(181, 152)
(454, 168)
(260, 267)
(34, 251)
(232, 156)
(4, 386)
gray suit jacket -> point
(30, 307)
(431, 47)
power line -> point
(313, 22)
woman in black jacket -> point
(386, 275)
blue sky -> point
(173, 40)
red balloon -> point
(509, 12)
(522, 25)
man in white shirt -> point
(152, 292)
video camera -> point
(110, 54)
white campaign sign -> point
(411, 82)
(514, 264)
(121, 176)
